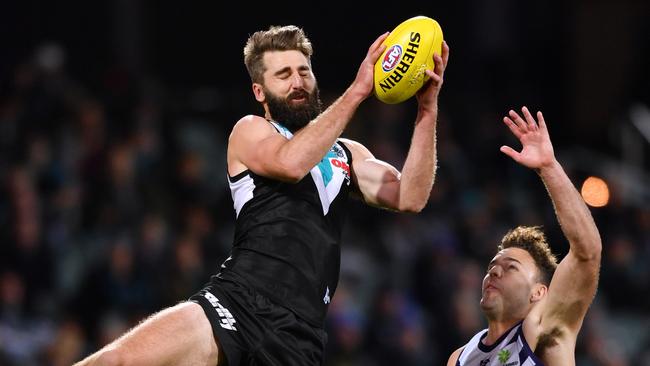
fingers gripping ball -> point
(399, 71)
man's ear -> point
(258, 91)
(538, 293)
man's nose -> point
(297, 82)
(495, 271)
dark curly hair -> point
(532, 240)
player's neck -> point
(496, 329)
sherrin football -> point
(399, 71)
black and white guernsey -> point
(287, 236)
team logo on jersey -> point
(227, 321)
(334, 158)
(341, 162)
(484, 362)
(503, 356)
(330, 175)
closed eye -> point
(283, 73)
(286, 72)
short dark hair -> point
(276, 38)
(532, 240)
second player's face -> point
(508, 284)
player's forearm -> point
(418, 173)
(573, 215)
(310, 144)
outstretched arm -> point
(384, 186)
(575, 280)
(253, 143)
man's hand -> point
(427, 96)
(364, 83)
(537, 150)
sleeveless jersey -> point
(511, 349)
(287, 236)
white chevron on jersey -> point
(328, 186)
(328, 193)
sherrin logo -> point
(392, 57)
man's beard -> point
(294, 116)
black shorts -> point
(252, 330)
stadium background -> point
(113, 201)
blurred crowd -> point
(114, 205)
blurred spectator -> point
(24, 336)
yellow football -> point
(399, 71)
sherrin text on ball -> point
(399, 71)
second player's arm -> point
(574, 283)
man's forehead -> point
(280, 59)
(517, 254)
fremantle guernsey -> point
(287, 235)
(511, 349)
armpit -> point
(548, 340)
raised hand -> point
(427, 96)
(364, 81)
(537, 150)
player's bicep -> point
(570, 293)
(255, 145)
(376, 181)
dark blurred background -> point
(114, 118)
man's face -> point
(508, 284)
(290, 92)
